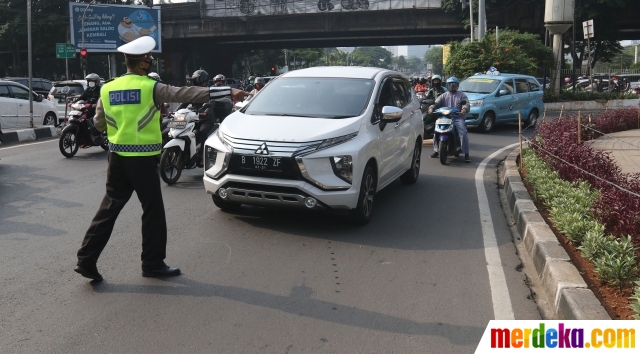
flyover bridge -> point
(215, 31)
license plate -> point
(177, 124)
(443, 121)
(261, 163)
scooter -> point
(427, 118)
(446, 134)
(182, 151)
(78, 133)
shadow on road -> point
(300, 303)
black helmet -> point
(200, 78)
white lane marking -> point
(21, 145)
(502, 309)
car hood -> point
(476, 96)
(293, 129)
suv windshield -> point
(479, 85)
(312, 97)
(74, 89)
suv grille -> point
(276, 148)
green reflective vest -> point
(133, 121)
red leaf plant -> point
(618, 210)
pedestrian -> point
(127, 110)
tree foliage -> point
(604, 45)
(371, 56)
(433, 56)
(515, 52)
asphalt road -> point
(414, 280)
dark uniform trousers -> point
(125, 175)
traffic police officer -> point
(127, 110)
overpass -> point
(217, 30)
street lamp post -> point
(83, 17)
(30, 58)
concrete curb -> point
(566, 291)
(31, 134)
(590, 105)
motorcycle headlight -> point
(210, 157)
(179, 117)
(342, 167)
(476, 103)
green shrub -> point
(615, 269)
(635, 301)
(593, 243)
(566, 95)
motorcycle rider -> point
(206, 122)
(421, 86)
(236, 94)
(258, 85)
(452, 98)
(91, 95)
(436, 88)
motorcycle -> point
(183, 150)
(427, 118)
(77, 134)
(446, 134)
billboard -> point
(240, 8)
(106, 27)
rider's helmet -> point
(200, 78)
(93, 80)
(154, 76)
(219, 80)
(251, 79)
(567, 80)
(453, 84)
(436, 77)
(422, 81)
(259, 83)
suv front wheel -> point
(362, 213)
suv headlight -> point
(210, 157)
(476, 102)
(342, 167)
(327, 143)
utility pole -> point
(84, 71)
(30, 62)
(482, 21)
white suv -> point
(321, 137)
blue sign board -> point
(106, 27)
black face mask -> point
(437, 84)
(148, 69)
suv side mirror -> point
(391, 114)
(503, 92)
(38, 97)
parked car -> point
(40, 86)
(324, 137)
(14, 107)
(76, 88)
(500, 98)
(56, 95)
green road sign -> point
(65, 51)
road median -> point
(19, 136)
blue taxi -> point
(496, 99)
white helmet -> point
(154, 76)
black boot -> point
(435, 155)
